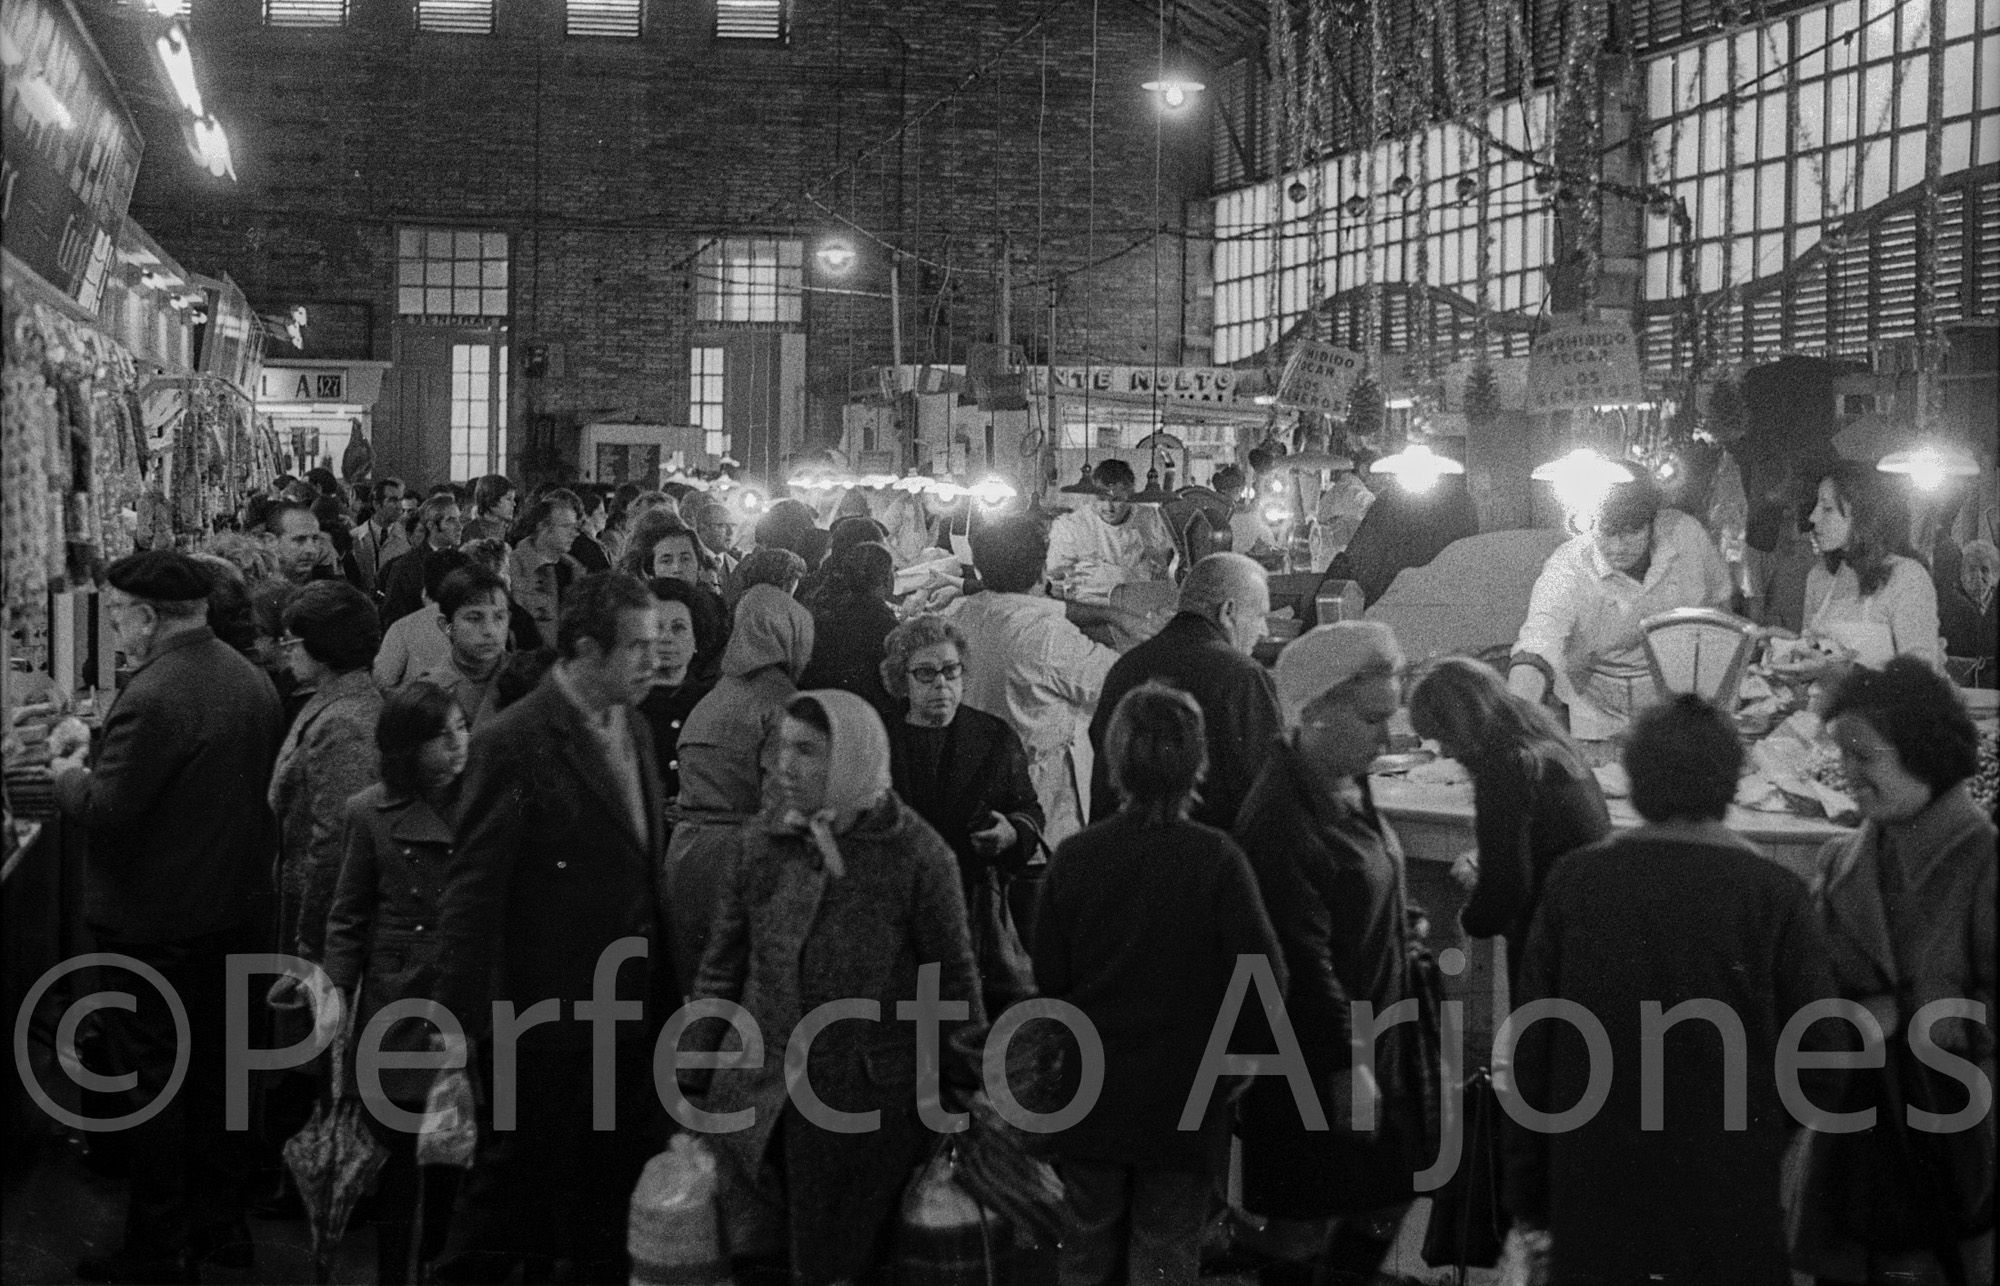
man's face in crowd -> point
(1624, 550)
(478, 631)
(1115, 505)
(445, 529)
(299, 544)
(389, 506)
(558, 531)
(624, 674)
(717, 529)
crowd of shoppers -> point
(497, 772)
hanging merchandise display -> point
(75, 439)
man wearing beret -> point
(177, 879)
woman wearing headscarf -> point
(728, 750)
(839, 892)
(1331, 872)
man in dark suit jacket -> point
(402, 580)
(178, 878)
(1205, 651)
(549, 887)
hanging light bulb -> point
(836, 256)
(992, 490)
(1582, 479)
(1176, 82)
(177, 66)
(212, 148)
(1417, 467)
(1929, 466)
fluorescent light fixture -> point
(177, 63)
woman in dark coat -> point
(380, 937)
(840, 893)
(1331, 872)
(1908, 907)
(1139, 1184)
(964, 772)
(1533, 796)
(690, 648)
(851, 618)
(1681, 910)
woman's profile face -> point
(674, 558)
(1830, 523)
(804, 754)
(1883, 789)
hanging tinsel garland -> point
(1930, 218)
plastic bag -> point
(674, 1233)
(450, 1131)
(946, 1237)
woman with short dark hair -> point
(1186, 907)
(1679, 914)
(397, 846)
(851, 618)
(331, 634)
(692, 634)
(1908, 906)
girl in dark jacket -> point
(1188, 909)
(379, 937)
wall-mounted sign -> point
(1318, 377)
(347, 383)
(1174, 383)
(72, 150)
(1580, 365)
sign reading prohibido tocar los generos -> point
(1580, 365)
(1318, 377)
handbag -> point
(1468, 1223)
(674, 1228)
(997, 1168)
(1006, 973)
(946, 1236)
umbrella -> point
(334, 1160)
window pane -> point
(409, 301)
(409, 242)
(437, 244)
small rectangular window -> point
(456, 17)
(750, 20)
(618, 19)
(750, 279)
(478, 409)
(305, 13)
(442, 273)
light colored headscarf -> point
(1322, 659)
(857, 775)
(772, 628)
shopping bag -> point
(1468, 1224)
(946, 1236)
(996, 1166)
(674, 1233)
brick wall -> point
(609, 162)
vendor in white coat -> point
(1112, 542)
(1582, 635)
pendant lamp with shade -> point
(1929, 466)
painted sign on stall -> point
(1580, 365)
(1174, 383)
(1318, 377)
(72, 150)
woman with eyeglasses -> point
(963, 771)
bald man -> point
(1205, 651)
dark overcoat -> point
(382, 933)
(791, 938)
(1647, 917)
(327, 758)
(180, 832)
(1331, 873)
(1140, 928)
(1239, 710)
(980, 769)
(1935, 943)
(548, 871)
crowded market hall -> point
(1053, 643)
